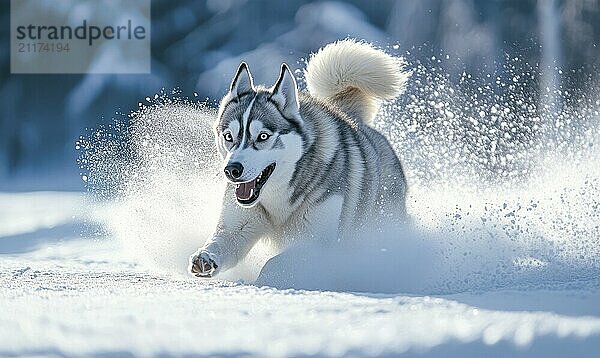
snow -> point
(68, 294)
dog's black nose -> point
(234, 170)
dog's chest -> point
(278, 208)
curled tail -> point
(355, 77)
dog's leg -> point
(324, 220)
(237, 232)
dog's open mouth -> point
(247, 193)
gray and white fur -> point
(306, 164)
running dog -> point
(306, 164)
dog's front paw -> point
(202, 264)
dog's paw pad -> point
(203, 265)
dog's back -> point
(347, 81)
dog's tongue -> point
(244, 190)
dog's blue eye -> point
(228, 137)
(263, 137)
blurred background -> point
(197, 45)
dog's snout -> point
(234, 170)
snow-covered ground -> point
(63, 293)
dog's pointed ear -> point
(285, 92)
(242, 81)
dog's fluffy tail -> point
(355, 77)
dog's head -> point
(259, 134)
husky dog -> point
(306, 164)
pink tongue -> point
(244, 190)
